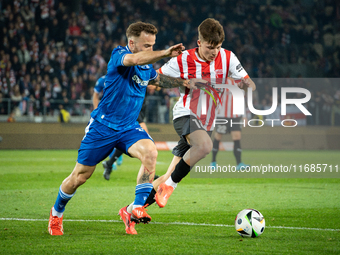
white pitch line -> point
(179, 223)
(161, 163)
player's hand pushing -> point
(175, 50)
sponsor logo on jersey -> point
(239, 68)
(136, 79)
(219, 71)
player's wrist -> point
(166, 53)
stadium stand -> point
(53, 51)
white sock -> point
(135, 206)
(55, 213)
(171, 183)
(130, 208)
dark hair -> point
(211, 31)
(135, 29)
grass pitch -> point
(301, 214)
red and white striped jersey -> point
(226, 109)
(189, 65)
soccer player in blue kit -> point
(114, 122)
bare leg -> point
(164, 177)
(145, 150)
(201, 147)
(77, 178)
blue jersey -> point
(99, 84)
(124, 92)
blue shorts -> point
(99, 141)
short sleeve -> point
(99, 85)
(117, 57)
(96, 90)
(236, 70)
(171, 68)
(153, 75)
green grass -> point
(302, 208)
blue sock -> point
(142, 193)
(113, 151)
(62, 200)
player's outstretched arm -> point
(150, 57)
(164, 81)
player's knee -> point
(204, 148)
(153, 155)
(150, 156)
(236, 135)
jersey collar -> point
(127, 47)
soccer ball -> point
(249, 223)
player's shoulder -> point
(180, 56)
(191, 53)
(227, 52)
(225, 49)
(146, 67)
(100, 80)
(174, 61)
(121, 50)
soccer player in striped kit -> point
(210, 62)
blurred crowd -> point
(53, 51)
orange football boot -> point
(163, 193)
(55, 225)
(126, 217)
(139, 214)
